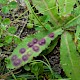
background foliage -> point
(62, 17)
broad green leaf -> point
(12, 29)
(29, 51)
(6, 21)
(5, 9)
(66, 6)
(69, 58)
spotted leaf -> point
(24, 53)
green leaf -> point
(6, 21)
(29, 25)
(5, 9)
(29, 51)
(51, 47)
(49, 8)
(37, 68)
(39, 28)
(21, 78)
(1, 44)
(66, 6)
(78, 45)
(17, 40)
(13, 5)
(27, 68)
(3, 27)
(12, 29)
(48, 27)
(77, 37)
(74, 21)
(76, 11)
(44, 18)
(69, 58)
(3, 1)
(0, 19)
(8, 39)
(77, 34)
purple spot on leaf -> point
(30, 44)
(51, 35)
(22, 50)
(35, 40)
(35, 48)
(25, 57)
(17, 62)
(14, 57)
(42, 42)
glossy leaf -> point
(69, 58)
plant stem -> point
(32, 11)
